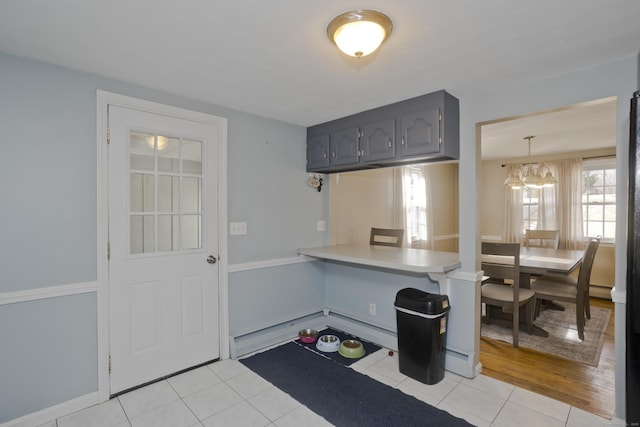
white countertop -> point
(403, 259)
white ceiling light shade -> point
(360, 32)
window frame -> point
(601, 164)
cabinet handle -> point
(402, 141)
(333, 154)
(389, 142)
(324, 155)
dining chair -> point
(569, 289)
(386, 237)
(542, 238)
(508, 296)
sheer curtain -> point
(570, 206)
(412, 210)
(512, 215)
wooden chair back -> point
(560, 288)
(502, 262)
(542, 238)
(510, 268)
(386, 237)
(584, 277)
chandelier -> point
(530, 176)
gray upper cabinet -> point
(418, 130)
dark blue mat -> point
(341, 395)
(334, 355)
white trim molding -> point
(53, 412)
(47, 292)
(255, 265)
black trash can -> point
(422, 334)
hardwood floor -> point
(586, 387)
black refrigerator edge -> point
(633, 272)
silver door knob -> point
(211, 259)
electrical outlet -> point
(321, 225)
(372, 309)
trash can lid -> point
(422, 302)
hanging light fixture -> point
(360, 32)
(530, 176)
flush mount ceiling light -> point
(530, 176)
(359, 32)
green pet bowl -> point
(351, 349)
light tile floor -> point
(226, 393)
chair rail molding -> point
(47, 292)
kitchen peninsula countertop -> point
(418, 261)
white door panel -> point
(163, 219)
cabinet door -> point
(344, 146)
(420, 133)
(318, 152)
(378, 140)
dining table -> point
(535, 261)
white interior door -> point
(163, 238)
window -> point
(599, 198)
(416, 205)
(530, 208)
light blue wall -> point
(48, 353)
(48, 237)
(271, 296)
(350, 290)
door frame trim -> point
(103, 99)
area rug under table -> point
(341, 395)
(563, 338)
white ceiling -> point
(273, 58)
(583, 127)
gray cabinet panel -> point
(378, 140)
(318, 152)
(420, 133)
(344, 146)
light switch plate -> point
(237, 228)
(321, 226)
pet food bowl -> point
(351, 349)
(308, 336)
(328, 343)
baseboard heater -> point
(249, 342)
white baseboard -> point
(53, 412)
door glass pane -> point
(191, 194)
(141, 148)
(168, 229)
(168, 193)
(192, 157)
(168, 154)
(191, 232)
(142, 234)
(141, 193)
(166, 186)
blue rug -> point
(339, 394)
(335, 356)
